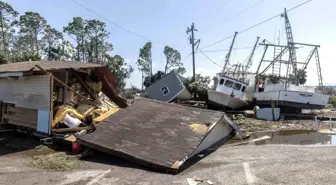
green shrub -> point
(332, 100)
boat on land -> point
(279, 82)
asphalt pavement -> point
(251, 165)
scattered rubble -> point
(58, 161)
(253, 125)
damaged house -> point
(33, 93)
(78, 102)
(168, 88)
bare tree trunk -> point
(3, 36)
(97, 48)
(83, 49)
(36, 42)
(166, 67)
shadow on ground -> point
(13, 142)
(107, 159)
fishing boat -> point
(231, 85)
(229, 93)
(279, 82)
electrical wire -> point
(222, 6)
(218, 41)
(210, 58)
(238, 14)
(186, 57)
(251, 27)
(297, 6)
(122, 28)
(220, 50)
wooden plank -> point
(51, 113)
(23, 117)
(59, 130)
(65, 92)
(23, 124)
(29, 120)
(15, 120)
(74, 91)
(21, 110)
(84, 86)
(1, 111)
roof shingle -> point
(47, 65)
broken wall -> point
(27, 101)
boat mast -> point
(249, 62)
(291, 44)
(227, 57)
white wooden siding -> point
(28, 92)
(218, 131)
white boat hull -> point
(225, 100)
(293, 99)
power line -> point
(249, 28)
(222, 6)
(209, 58)
(220, 50)
(127, 30)
(218, 41)
(186, 57)
(238, 14)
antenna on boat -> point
(227, 57)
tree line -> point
(28, 36)
(173, 63)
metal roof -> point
(47, 65)
(152, 133)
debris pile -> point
(58, 161)
(80, 107)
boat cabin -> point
(231, 86)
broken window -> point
(221, 82)
(165, 90)
(237, 86)
(228, 83)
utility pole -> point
(227, 57)
(193, 43)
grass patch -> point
(332, 101)
(59, 161)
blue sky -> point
(166, 21)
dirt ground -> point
(254, 125)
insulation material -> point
(71, 121)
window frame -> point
(243, 89)
(234, 86)
(230, 81)
(164, 89)
(221, 81)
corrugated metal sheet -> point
(151, 133)
(27, 92)
(47, 65)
